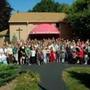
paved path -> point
(50, 75)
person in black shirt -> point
(21, 55)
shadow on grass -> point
(41, 87)
(83, 78)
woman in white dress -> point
(45, 54)
(33, 56)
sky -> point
(25, 5)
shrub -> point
(8, 67)
(7, 73)
(14, 39)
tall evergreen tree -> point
(5, 12)
(46, 6)
(50, 6)
(63, 8)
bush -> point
(27, 81)
(14, 39)
(7, 73)
(8, 67)
(77, 78)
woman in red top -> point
(52, 56)
(80, 54)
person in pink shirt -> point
(80, 55)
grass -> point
(77, 78)
(27, 81)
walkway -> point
(50, 75)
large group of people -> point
(46, 51)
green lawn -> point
(27, 81)
(77, 78)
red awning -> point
(45, 29)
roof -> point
(2, 33)
(37, 17)
(45, 29)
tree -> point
(79, 17)
(14, 39)
(50, 6)
(5, 12)
(46, 6)
(63, 8)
